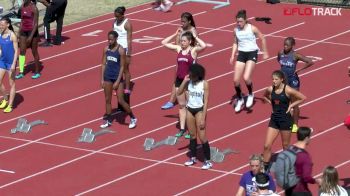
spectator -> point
(262, 182)
(329, 183)
(246, 184)
(303, 165)
(55, 10)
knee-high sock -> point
(21, 62)
(206, 150)
(193, 147)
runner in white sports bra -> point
(124, 29)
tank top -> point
(280, 102)
(184, 61)
(122, 33)
(27, 17)
(246, 39)
(7, 49)
(112, 64)
(288, 63)
(195, 94)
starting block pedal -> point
(89, 136)
(219, 156)
(150, 143)
(25, 127)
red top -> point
(303, 169)
(183, 64)
(27, 17)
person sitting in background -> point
(162, 5)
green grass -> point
(78, 10)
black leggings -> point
(55, 12)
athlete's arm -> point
(199, 47)
(103, 65)
(35, 25)
(308, 61)
(267, 95)
(128, 28)
(234, 48)
(44, 2)
(122, 65)
(278, 57)
(14, 40)
(166, 42)
(205, 105)
(183, 85)
(299, 97)
(240, 191)
(263, 41)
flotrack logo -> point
(314, 11)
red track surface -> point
(49, 161)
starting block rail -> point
(25, 127)
(150, 143)
(219, 4)
(89, 136)
(219, 156)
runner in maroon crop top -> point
(28, 37)
(187, 53)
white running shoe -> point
(250, 100)
(190, 162)
(207, 165)
(132, 123)
(239, 105)
(106, 124)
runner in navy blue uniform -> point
(288, 60)
(282, 98)
(113, 63)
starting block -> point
(151, 144)
(25, 127)
(89, 136)
(219, 156)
